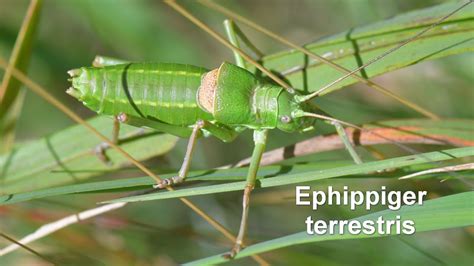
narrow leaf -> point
(48, 161)
(455, 132)
(11, 100)
(268, 176)
(442, 213)
(356, 46)
(289, 179)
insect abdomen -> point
(166, 92)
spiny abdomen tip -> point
(73, 92)
(74, 72)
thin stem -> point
(377, 58)
(340, 68)
(50, 228)
(26, 248)
(460, 167)
(327, 118)
(11, 94)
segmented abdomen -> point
(163, 91)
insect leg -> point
(183, 172)
(342, 134)
(183, 132)
(260, 139)
(347, 143)
(221, 132)
(102, 147)
(100, 61)
(179, 131)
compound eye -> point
(285, 119)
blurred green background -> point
(72, 32)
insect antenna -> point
(383, 55)
(370, 83)
(389, 140)
(335, 120)
(348, 72)
(303, 98)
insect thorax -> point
(236, 97)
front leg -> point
(347, 143)
(260, 139)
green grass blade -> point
(454, 131)
(356, 46)
(221, 175)
(11, 97)
(146, 182)
(298, 178)
(49, 161)
(437, 214)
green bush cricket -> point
(221, 103)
